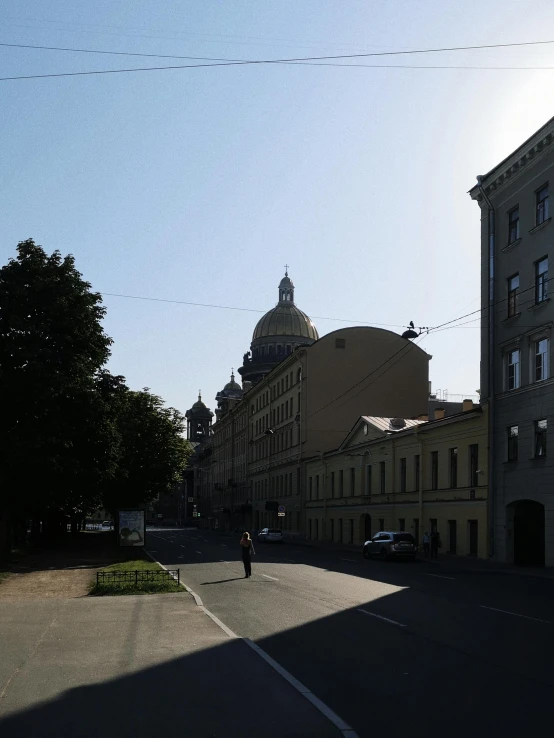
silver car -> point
(270, 535)
(391, 545)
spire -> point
(199, 395)
(232, 374)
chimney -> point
(467, 405)
(439, 413)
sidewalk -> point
(139, 666)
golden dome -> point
(285, 320)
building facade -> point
(516, 376)
(403, 474)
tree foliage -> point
(71, 434)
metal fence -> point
(134, 577)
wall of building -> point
(372, 484)
(514, 183)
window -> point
(352, 482)
(541, 359)
(332, 484)
(351, 532)
(401, 527)
(513, 434)
(416, 472)
(381, 523)
(513, 225)
(341, 483)
(383, 478)
(542, 204)
(434, 469)
(309, 488)
(514, 369)
(368, 480)
(473, 465)
(513, 289)
(541, 280)
(540, 438)
(317, 487)
(402, 476)
(453, 468)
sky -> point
(199, 185)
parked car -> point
(391, 545)
(107, 525)
(270, 535)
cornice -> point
(515, 165)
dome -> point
(232, 386)
(285, 320)
(199, 409)
(286, 283)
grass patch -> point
(126, 588)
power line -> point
(439, 50)
(302, 61)
(242, 309)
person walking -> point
(426, 543)
(435, 543)
(247, 551)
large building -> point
(516, 377)
(300, 396)
(404, 474)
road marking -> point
(388, 620)
(344, 728)
(516, 614)
(223, 544)
(438, 576)
(268, 577)
(337, 721)
(355, 561)
(199, 552)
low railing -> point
(134, 577)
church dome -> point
(199, 409)
(285, 320)
(232, 386)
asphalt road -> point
(399, 646)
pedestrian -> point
(247, 551)
(426, 543)
(435, 543)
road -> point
(415, 647)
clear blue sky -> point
(200, 184)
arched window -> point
(271, 349)
(299, 374)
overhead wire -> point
(325, 60)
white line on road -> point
(223, 544)
(199, 552)
(374, 615)
(205, 540)
(183, 546)
(438, 576)
(344, 728)
(355, 561)
(268, 577)
(516, 614)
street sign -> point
(281, 509)
(280, 515)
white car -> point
(270, 535)
(107, 525)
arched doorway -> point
(528, 532)
(365, 527)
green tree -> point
(52, 346)
(152, 452)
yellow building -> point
(396, 474)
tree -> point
(152, 452)
(52, 345)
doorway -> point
(452, 536)
(473, 537)
(528, 533)
(365, 527)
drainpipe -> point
(491, 493)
